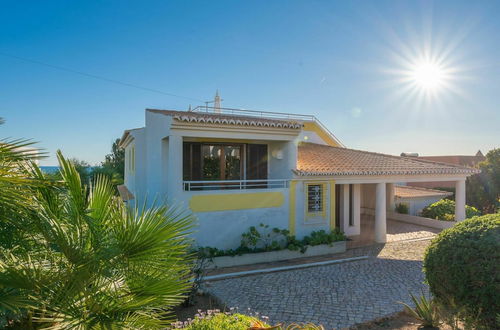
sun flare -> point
(428, 75)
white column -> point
(345, 208)
(390, 197)
(460, 200)
(174, 167)
(356, 208)
(380, 213)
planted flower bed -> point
(272, 256)
(262, 244)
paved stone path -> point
(336, 296)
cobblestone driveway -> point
(336, 296)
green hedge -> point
(462, 268)
(445, 210)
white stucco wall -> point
(368, 196)
(135, 180)
(303, 225)
(157, 129)
(281, 168)
(129, 175)
(415, 205)
(311, 137)
(223, 229)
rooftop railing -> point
(235, 184)
(264, 114)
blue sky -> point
(342, 61)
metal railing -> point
(235, 184)
(264, 114)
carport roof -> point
(418, 192)
(322, 160)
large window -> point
(224, 161)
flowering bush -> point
(215, 320)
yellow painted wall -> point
(226, 202)
(314, 127)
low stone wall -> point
(272, 256)
(433, 223)
(421, 221)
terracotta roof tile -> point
(224, 119)
(125, 194)
(317, 160)
(414, 192)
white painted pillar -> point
(174, 167)
(380, 213)
(391, 206)
(345, 208)
(356, 208)
(460, 200)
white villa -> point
(238, 168)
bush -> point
(215, 320)
(462, 268)
(445, 210)
(402, 208)
(275, 239)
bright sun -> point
(428, 75)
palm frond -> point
(89, 261)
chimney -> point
(217, 102)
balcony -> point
(265, 114)
(235, 184)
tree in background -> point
(114, 164)
(483, 189)
(83, 168)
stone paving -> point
(336, 296)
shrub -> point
(322, 237)
(402, 208)
(462, 268)
(215, 320)
(445, 210)
(275, 239)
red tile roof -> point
(125, 194)
(415, 192)
(317, 160)
(225, 119)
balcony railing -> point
(265, 114)
(235, 184)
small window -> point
(133, 159)
(315, 199)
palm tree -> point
(88, 261)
